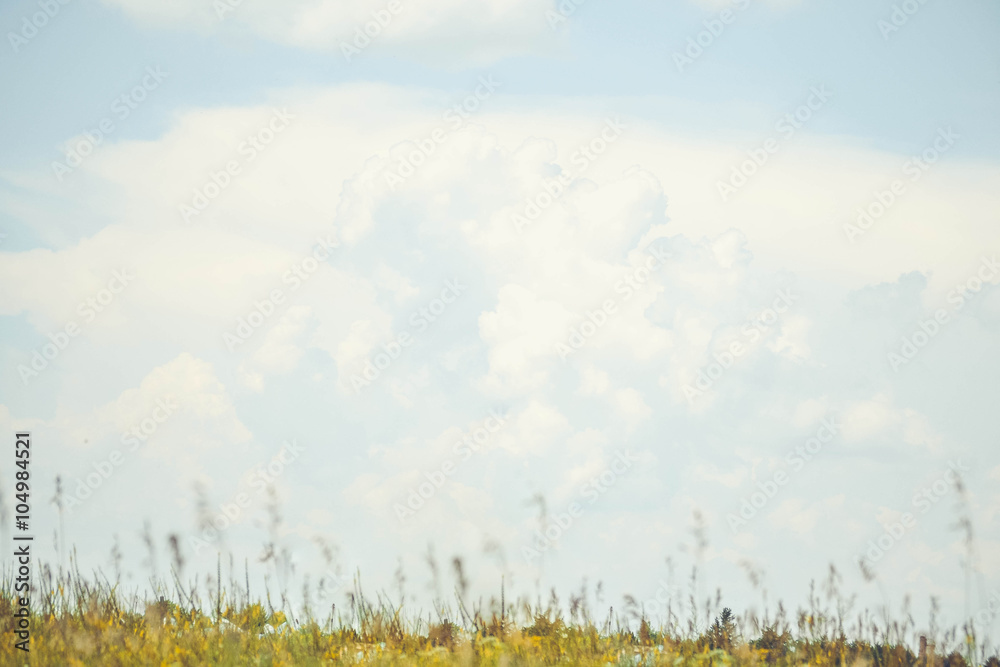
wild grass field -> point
(78, 620)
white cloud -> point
(593, 381)
(534, 430)
(388, 279)
(793, 342)
(204, 411)
(878, 420)
(631, 406)
(281, 350)
(522, 333)
(802, 517)
(497, 342)
(443, 31)
(711, 473)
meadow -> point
(78, 620)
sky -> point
(575, 292)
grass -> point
(81, 620)
(91, 621)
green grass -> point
(81, 621)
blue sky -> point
(942, 67)
(837, 348)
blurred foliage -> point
(89, 623)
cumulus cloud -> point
(438, 30)
(526, 294)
